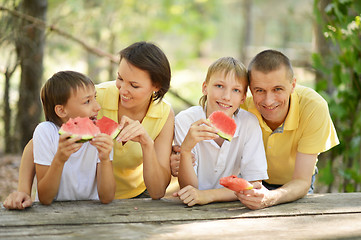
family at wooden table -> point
(282, 127)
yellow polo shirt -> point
(128, 158)
(308, 129)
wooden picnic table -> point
(317, 216)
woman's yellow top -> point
(128, 158)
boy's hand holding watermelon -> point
(199, 131)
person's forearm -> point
(26, 177)
(291, 191)
(186, 174)
(156, 177)
(105, 181)
(48, 186)
(220, 195)
(26, 170)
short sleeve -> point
(319, 133)
(46, 140)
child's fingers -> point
(102, 138)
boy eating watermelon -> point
(66, 168)
(239, 149)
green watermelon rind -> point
(225, 136)
(84, 138)
(115, 133)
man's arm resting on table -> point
(291, 191)
(301, 181)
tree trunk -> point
(30, 50)
(9, 140)
(246, 32)
(322, 45)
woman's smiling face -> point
(134, 84)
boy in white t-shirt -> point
(65, 168)
(224, 90)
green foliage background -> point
(193, 33)
(342, 69)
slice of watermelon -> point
(235, 184)
(78, 126)
(108, 126)
(225, 124)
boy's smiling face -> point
(224, 93)
(82, 103)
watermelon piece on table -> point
(108, 126)
(235, 183)
(78, 126)
(225, 124)
(87, 128)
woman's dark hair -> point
(148, 57)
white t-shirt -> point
(78, 179)
(244, 156)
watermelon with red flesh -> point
(226, 125)
(235, 184)
(108, 126)
(78, 126)
(87, 128)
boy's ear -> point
(204, 88)
(243, 98)
(60, 111)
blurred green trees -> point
(341, 67)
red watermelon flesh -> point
(108, 126)
(78, 126)
(235, 184)
(87, 128)
(225, 124)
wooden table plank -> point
(320, 216)
(295, 227)
(147, 210)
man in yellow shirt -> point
(296, 127)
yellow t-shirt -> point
(128, 158)
(308, 129)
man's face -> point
(271, 95)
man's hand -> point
(255, 198)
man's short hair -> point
(268, 61)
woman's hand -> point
(133, 130)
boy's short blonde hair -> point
(58, 89)
(226, 65)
